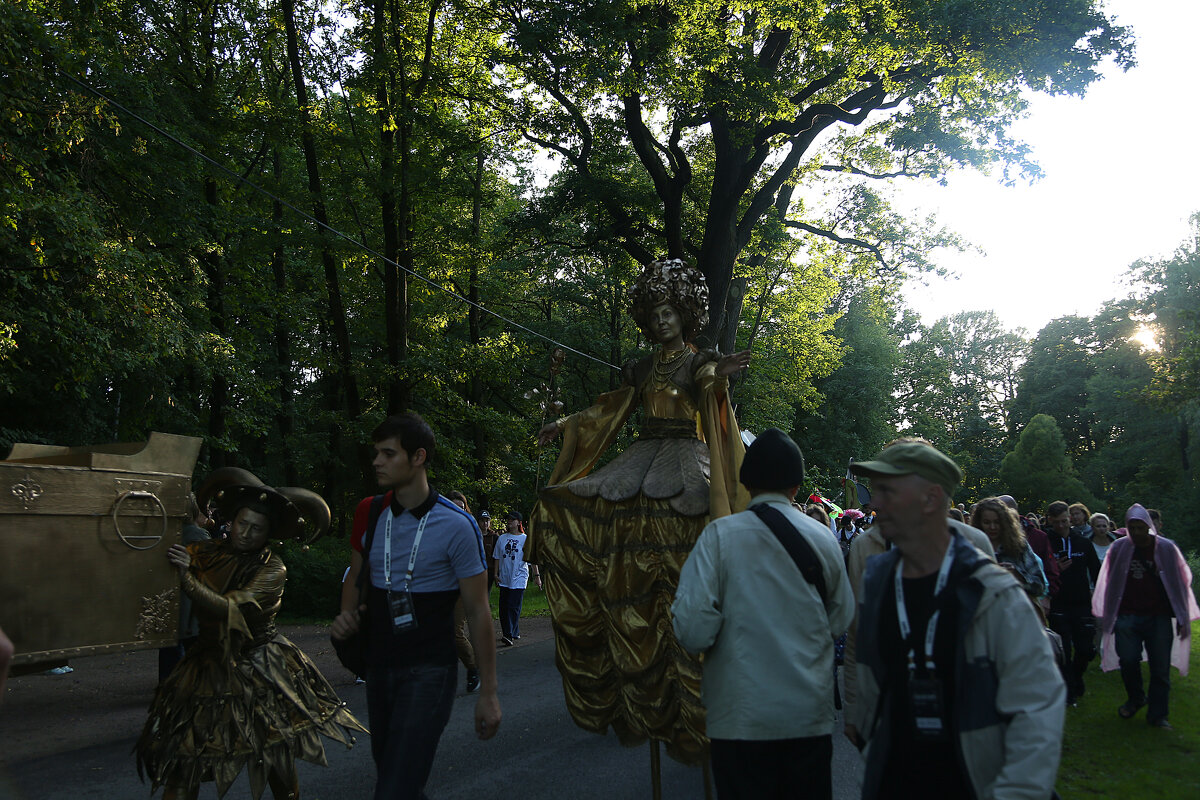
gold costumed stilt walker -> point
(244, 697)
(611, 543)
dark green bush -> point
(314, 578)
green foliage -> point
(723, 109)
(1039, 470)
(1054, 380)
(956, 389)
(857, 412)
(314, 578)
(144, 289)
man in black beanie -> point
(763, 595)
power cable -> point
(172, 138)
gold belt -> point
(667, 428)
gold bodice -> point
(672, 401)
(666, 391)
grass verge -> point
(1106, 756)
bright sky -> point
(1122, 176)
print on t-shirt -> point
(511, 565)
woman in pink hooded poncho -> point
(1143, 583)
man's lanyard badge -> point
(400, 603)
(925, 699)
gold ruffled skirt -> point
(212, 718)
(611, 570)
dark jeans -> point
(1077, 627)
(510, 611)
(408, 708)
(773, 768)
(1133, 632)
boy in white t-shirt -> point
(512, 576)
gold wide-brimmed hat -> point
(295, 513)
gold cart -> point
(84, 533)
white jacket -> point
(767, 638)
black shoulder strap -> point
(368, 539)
(799, 549)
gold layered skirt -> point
(259, 710)
(611, 547)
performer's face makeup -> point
(666, 323)
(250, 530)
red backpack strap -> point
(366, 517)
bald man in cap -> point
(763, 595)
(959, 694)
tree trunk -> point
(475, 388)
(720, 248)
(398, 306)
(733, 313)
(286, 416)
(393, 330)
(337, 311)
(213, 269)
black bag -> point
(800, 550)
(352, 652)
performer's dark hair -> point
(413, 432)
(670, 281)
(1056, 508)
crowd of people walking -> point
(963, 634)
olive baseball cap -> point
(913, 458)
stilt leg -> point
(655, 771)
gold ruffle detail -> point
(212, 718)
(610, 572)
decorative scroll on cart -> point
(83, 538)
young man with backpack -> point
(420, 552)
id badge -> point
(403, 618)
(925, 703)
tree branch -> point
(875, 250)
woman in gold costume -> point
(611, 543)
(244, 696)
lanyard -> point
(387, 550)
(902, 612)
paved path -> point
(71, 737)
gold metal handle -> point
(117, 523)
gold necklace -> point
(665, 367)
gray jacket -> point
(766, 635)
(1009, 695)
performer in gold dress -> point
(611, 543)
(244, 696)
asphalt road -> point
(71, 737)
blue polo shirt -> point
(451, 546)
